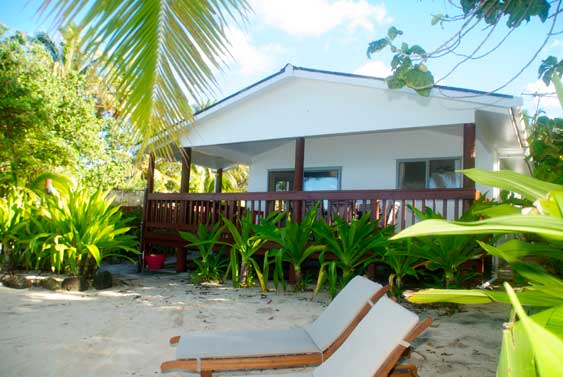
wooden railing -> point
(186, 211)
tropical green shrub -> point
(16, 208)
(296, 243)
(532, 344)
(444, 254)
(247, 241)
(399, 257)
(354, 245)
(75, 233)
(211, 264)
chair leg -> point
(206, 373)
(404, 371)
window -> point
(313, 180)
(431, 173)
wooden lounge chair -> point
(374, 347)
(205, 352)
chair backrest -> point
(371, 342)
(341, 311)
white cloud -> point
(556, 44)
(251, 59)
(317, 17)
(550, 103)
(375, 68)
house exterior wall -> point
(367, 161)
(302, 107)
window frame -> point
(338, 170)
(427, 169)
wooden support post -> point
(219, 181)
(181, 264)
(181, 252)
(146, 212)
(150, 174)
(298, 176)
(468, 158)
(186, 169)
(468, 152)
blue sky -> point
(334, 34)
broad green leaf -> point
(548, 227)
(551, 319)
(393, 32)
(514, 250)
(376, 46)
(528, 187)
(499, 210)
(528, 296)
(547, 348)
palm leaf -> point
(159, 54)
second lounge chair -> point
(205, 352)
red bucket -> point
(155, 261)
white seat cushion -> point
(373, 340)
(245, 343)
(342, 310)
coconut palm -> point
(161, 53)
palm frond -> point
(163, 53)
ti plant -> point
(354, 245)
(295, 241)
(532, 344)
(211, 265)
(247, 241)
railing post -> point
(186, 169)
(469, 154)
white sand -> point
(124, 331)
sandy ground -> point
(124, 331)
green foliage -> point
(247, 241)
(50, 121)
(78, 232)
(400, 258)
(16, 209)
(538, 350)
(354, 244)
(67, 233)
(405, 72)
(162, 53)
(211, 264)
(550, 67)
(545, 137)
(408, 63)
(295, 241)
(491, 11)
(445, 253)
(531, 345)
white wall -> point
(368, 161)
(303, 107)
